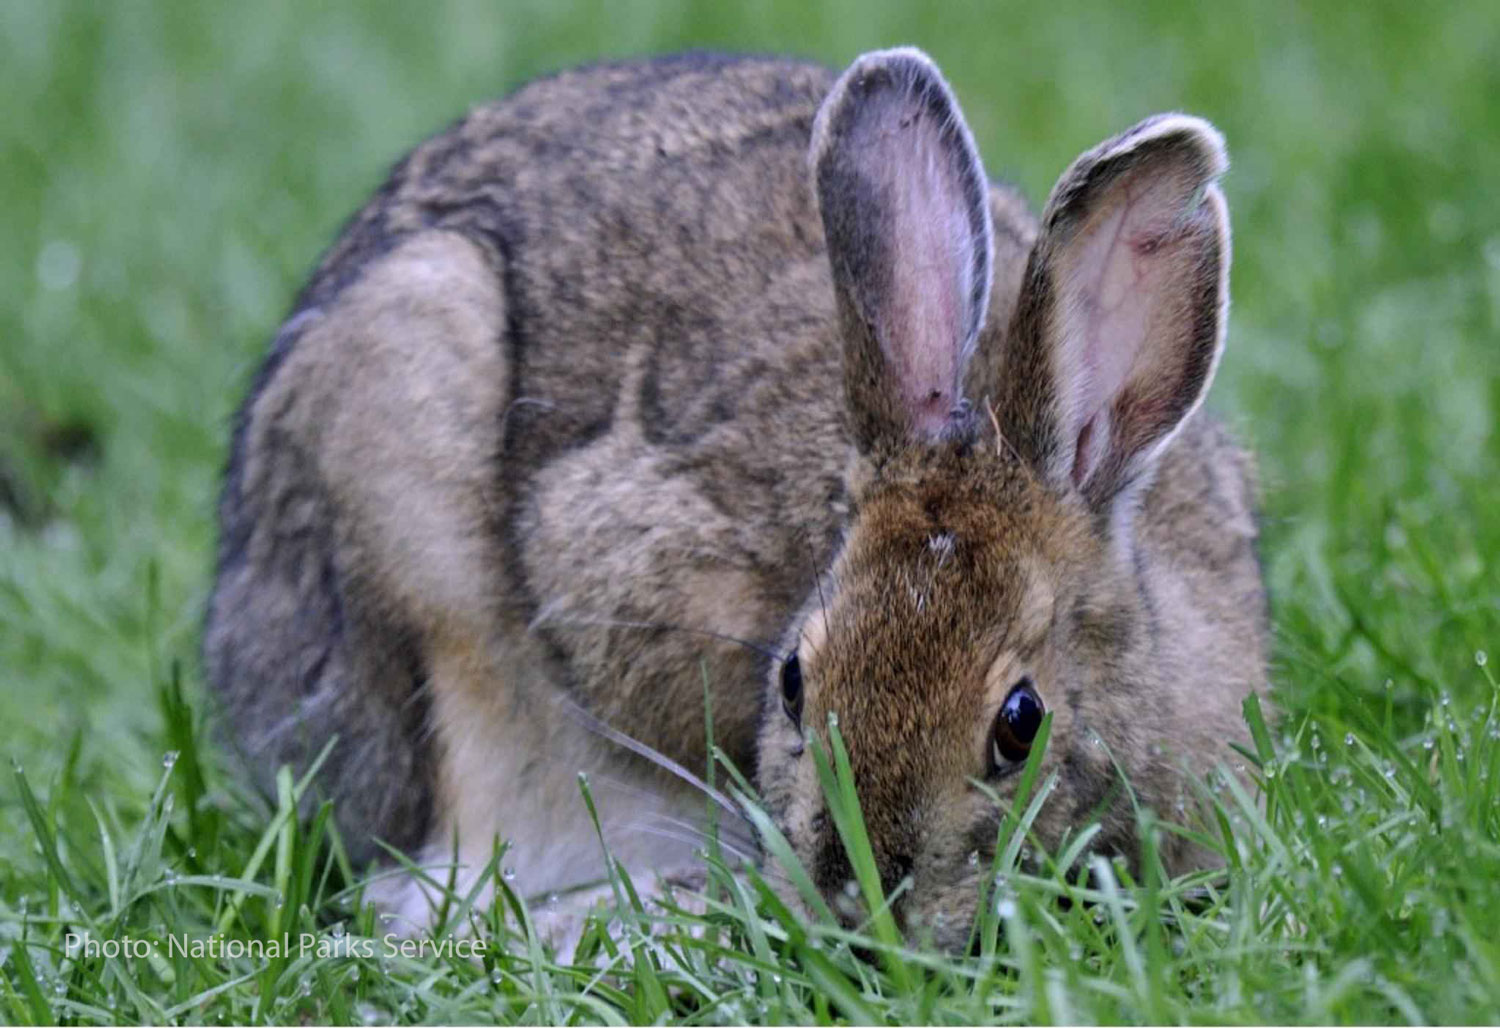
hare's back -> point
(637, 214)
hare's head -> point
(990, 573)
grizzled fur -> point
(647, 368)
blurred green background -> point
(169, 171)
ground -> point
(170, 172)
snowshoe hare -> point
(731, 379)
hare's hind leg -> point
(403, 384)
(384, 415)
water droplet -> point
(1428, 743)
(1270, 769)
(1006, 908)
(1445, 699)
(169, 759)
(509, 874)
(1337, 870)
(1481, 658)
(338, 930)
(833, 719)
(1322, 820)
(1458, 753)
(851, 889)
(1348, 738)
(1389, 685)
(973, 858)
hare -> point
(722, 384)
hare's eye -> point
(791, 689)
(1016, 725)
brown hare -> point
(729, 379)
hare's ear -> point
(905, 209)
(1121, 317)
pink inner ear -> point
(1090, 446)
(1119, 314)
(922, 326)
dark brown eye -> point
(1016, 725)
(791, 689)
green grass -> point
(169, 173)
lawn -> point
(171, 170)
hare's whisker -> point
(546, 619)
(656, 757)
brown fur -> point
(581, 384)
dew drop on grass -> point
(1428, 743)
(169, 759)
(1005, 908)
(1322, 820)
(1445, 699)
(1348, 738)
(1337, 870)
(509, 874)
(1481, 658)
(338, 930)
(973, 858)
